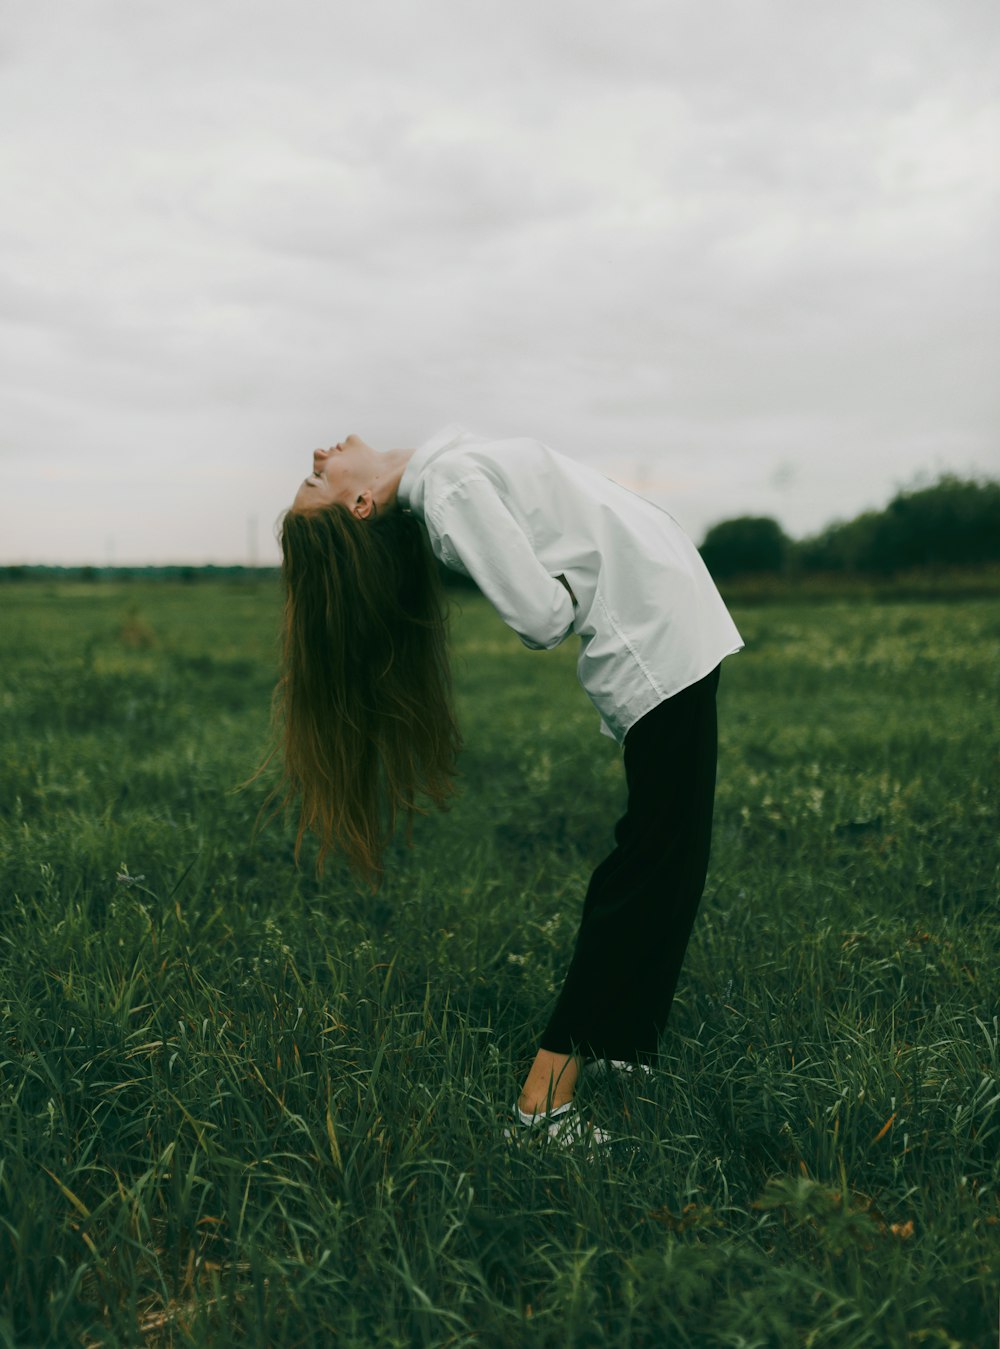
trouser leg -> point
(642, 899)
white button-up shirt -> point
(514, 515)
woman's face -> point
(342, 473)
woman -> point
(366, 708)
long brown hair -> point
(363, 708)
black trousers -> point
(642, 899)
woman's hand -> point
(569, 589)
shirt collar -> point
(430, 449)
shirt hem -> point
(733, 650)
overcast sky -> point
(740, 254)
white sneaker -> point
(563, 1125)
(601, 1066)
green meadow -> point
(243, 1105)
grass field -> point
(243, 1106)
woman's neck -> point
(391, 468)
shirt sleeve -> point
(475, 528)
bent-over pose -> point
(366, 707)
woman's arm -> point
(475, 528)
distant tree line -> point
(177, 572)
(955, 522)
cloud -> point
(707, 240)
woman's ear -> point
(364, 506)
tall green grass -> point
(239, 1105)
